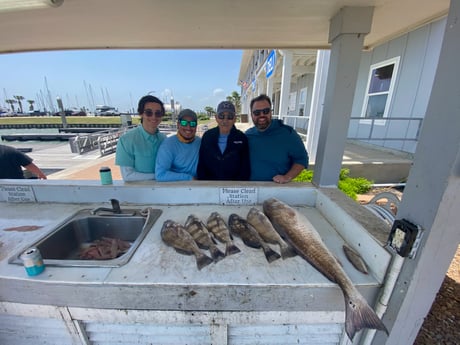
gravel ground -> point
(442, 324)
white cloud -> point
(218, 92)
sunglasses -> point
(184, 123)
(150, 113)
(222, 116)
(259, 111)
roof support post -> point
(431, 197)
(285, 82)
(346, 33)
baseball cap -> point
(187, 112)
(226, 106)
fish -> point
(307, 242)
(241, 228)
(217, 226)
(264, 227)
(24, 228)
(200, 234)
(355, 259)
(175, 235)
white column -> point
(285, 81)
(431, 197)
(316, 109)
(347, 30)
(269, 91)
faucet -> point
(115, 208)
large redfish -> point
(304, 238)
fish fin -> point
(287, 251)
(203, 260)
(355, 259)
(216, 254)
(183, 252)
(270, 254)
(359, 315)
(231, 249)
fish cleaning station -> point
(133, 287)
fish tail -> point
(359, 315)
(270, 254)
(287, 251)
(231, 249)
(203, 260)
(216, 254)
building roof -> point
(238, 24)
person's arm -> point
(36, 171)
(295, 170)
(129, 175)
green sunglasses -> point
(184, 123)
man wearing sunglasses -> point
(276, 150)
(224, 151)
(137, 149)
(177, 157)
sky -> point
(194, 78)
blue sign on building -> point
(270, 65)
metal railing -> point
(105, 141)
(367, 128)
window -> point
(379, 89)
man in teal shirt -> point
(137, 149)
(276, 150)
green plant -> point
(351, 186)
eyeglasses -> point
(222, 116)
(150, 112)
(257, 112)
(184, 123)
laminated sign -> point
(238, 196)
(12, 193)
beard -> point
(262, 123)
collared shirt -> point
(138, 149)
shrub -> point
(351, 186)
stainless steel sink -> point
(64, 245)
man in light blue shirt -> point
(177, 158)
(137, 149)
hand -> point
(282, 179)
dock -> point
(38, 137)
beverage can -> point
(106, 175)
(33, 262)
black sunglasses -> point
(222, 116)
(257, 112)
(184, 123)
(150, 112)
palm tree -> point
(11, 102)
(31, 104)
(235, 98)
(209, 110)
(19, 98)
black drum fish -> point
(264, 227)
(202, 237)
(217, 226)
(241, 228)
(175, 235)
